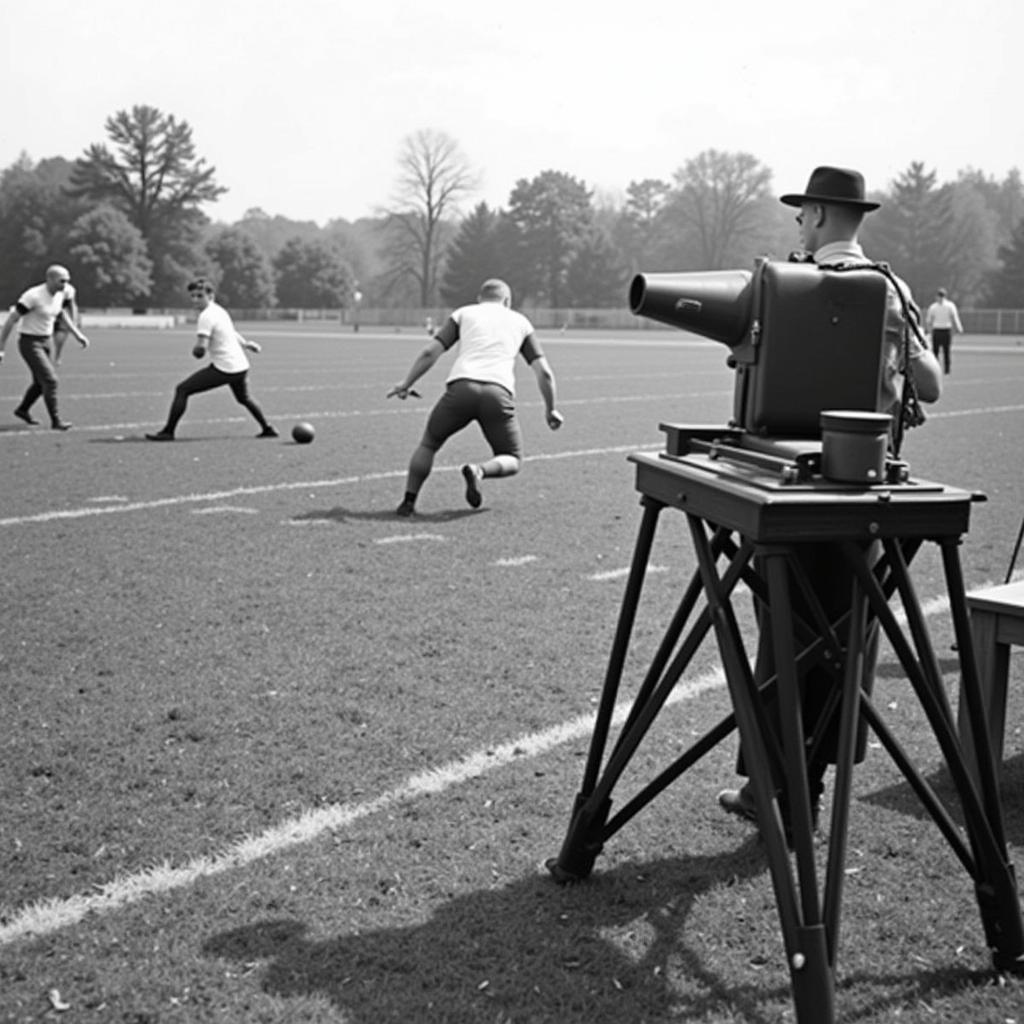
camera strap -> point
(910, 412)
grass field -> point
(271, 754)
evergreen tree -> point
(914, 230)
(597, 275)
(473, 256)
(551, 215)
(1006, 285)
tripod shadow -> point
(902, 799)
(610, 951)
(340, 514)
(531, 951)
(894, 670)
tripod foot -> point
(582, 843)
(1004, 963)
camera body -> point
(803, 338)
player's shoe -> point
(472, 475)
(60, 425)
(739, 802)
(26, 417)
(268, 431)
(405, 510)
(160, 435)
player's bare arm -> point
(546, 383)
(5, 333)
(67, 322)
(424, 361)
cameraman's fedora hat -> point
(833, 185)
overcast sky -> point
(302, 105)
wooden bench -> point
(997, 622)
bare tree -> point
(433, 177)
(721, 198)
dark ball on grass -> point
(303, 433)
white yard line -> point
(406, 538)
(514, 562)
(621, 573)
(222, 509)
(53, 915)
(392, 409)
(123, 506)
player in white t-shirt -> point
(38, 311)
(229, 365)
(480, 387)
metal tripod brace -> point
(760, 530)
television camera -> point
(808, 347)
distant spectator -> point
(941, 320)
(39, 310)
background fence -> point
(975, 321)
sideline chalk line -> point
(53, 915)
(48, 916)
(137, 506)
(237, 492)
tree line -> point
(126, 217)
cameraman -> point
(831, 211)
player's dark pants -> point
(35, 350)
(489, 404)
(207, 379)
(942, 343)
(832, 582)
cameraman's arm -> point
(927, 375)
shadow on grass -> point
(614, 950)
(902, 799)
(894, 670)
(189, 439)
(529, 951)
(142, 439)
(338, 514)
